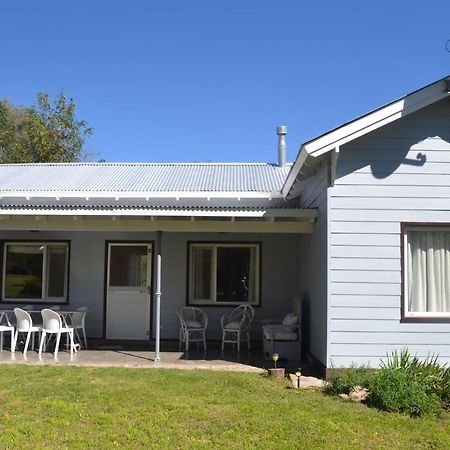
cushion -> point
(233, 326)
(193, 324)
(279, 333)
(290, 322)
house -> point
(358, 226)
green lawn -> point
(70, 407)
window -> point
(35, 272)
(427, 272)
(224, 274)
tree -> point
(45, 132)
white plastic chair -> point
(24, 324)
(52, 324)
(5, 326)
(193, 323)
(236, 326)
(78, 319)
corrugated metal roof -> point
(129, 177)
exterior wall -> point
(313, 265)
(400, 173)
(87, 274)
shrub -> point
(343, 381)
(394, 390)
(435, 378)
(402, 384)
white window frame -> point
(419, 314)
(214, 246)
(45, 261)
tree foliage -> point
(45, 132)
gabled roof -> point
(112, 179)
(367, 123)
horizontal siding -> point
(372, 264)
(358, 251)
(361, 313)
(400, 339)
(371, 239)
(391, 203)
(379, 351)
(385, 149)
(397, 216)
(366, 276)
(355, 167)
(354, 288)
(374, 361)
(365, 301)
(400, 173)
(401, 179)
(390, 327)
(369, 191)
(365, 227)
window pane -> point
(128, 266)
(236, 274)
(56, 270)
(23, 272)
(201, 273)
(428, 271)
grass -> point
(74, 407)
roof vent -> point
(282, 131)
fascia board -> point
(263, 213)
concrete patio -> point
(122, 355)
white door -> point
(128, 291)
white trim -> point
(334, 161)
(214, 246)
(44, 287)
(365, 124)
(145, 212)
(419, 314)
(328, 294)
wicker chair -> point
(193, 323)
(236, 326)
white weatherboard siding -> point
(399, 173)
(87, 271)
(313, 265)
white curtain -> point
(428, 271)
(201, 267)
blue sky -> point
(209, 80)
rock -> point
(306, 382)
(344, 396)
(358, 394)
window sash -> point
(255, 270)
(45, 271)
(432, 278)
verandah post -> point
(158, 296)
